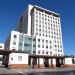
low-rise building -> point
(2, 48)
(20, 42)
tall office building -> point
(37, 25)
(39, 33)
(45, 25)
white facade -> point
(12, 42)
(41, 22)
(44, 45)
(18, 58)
(20, 41)
(68, 60)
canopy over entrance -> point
(6, 52)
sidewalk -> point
(6, 71)
(42, 70)
(22, 71)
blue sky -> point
(10, 11)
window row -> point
(47, 47)
(43, 52)
(58, 50)
(48, 25)
(46, 15)
(45, 21)
(25, 44)
(48, 35)
(47, 28)
(51, 36)
(39, 40)
(48, 31)
(59, 46)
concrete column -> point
(50, 64)
(41, 62)
(54, 62)
(38, 63)
(31, 61)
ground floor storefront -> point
(42, 61)
(22, 60)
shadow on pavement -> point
(12, 74)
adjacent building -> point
(1, 48)
(20, 42)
